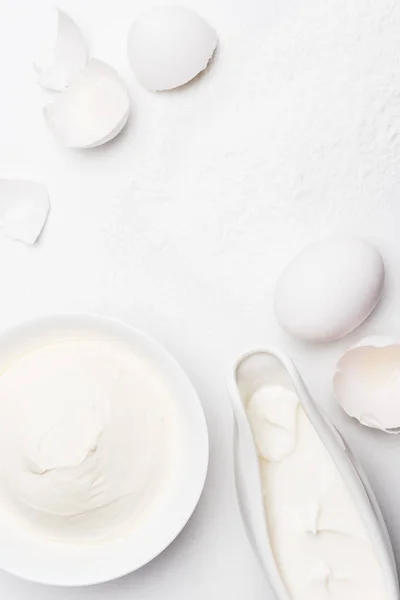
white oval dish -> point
(255, 369)
(58, 563)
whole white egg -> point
(329, 289)
(168, 46)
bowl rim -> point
(183, 502)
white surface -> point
(197, 270)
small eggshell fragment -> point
(329, 289)
(64, 53)
(24, 207)
(367, 384)
(92, 110)
(169, 46)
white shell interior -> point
(92, 110)
(367, 384)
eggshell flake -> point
(64, 54)
(329, 289)
(92, 110)
(168, 46)
(367, 384)
(24, 207)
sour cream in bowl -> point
(104, 450)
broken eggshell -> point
(64, 52)
(271, 367)
(169, 46)
(24, 207)
(367, 383)
(92, 110)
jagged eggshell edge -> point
(92, 110)
(24, 208)
(353, 408)
(66, 55)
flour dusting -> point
(303, 140)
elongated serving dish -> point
(271, 367)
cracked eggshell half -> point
(93, 109)
(367, 383)
(63, 53)
(24, 207)
(329, 289)
(169, 46)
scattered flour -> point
(301, 139)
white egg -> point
(367, 383)
(168, 46)
(329, 289)
(92, 110)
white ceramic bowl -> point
(272, 366)
(57, 563)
